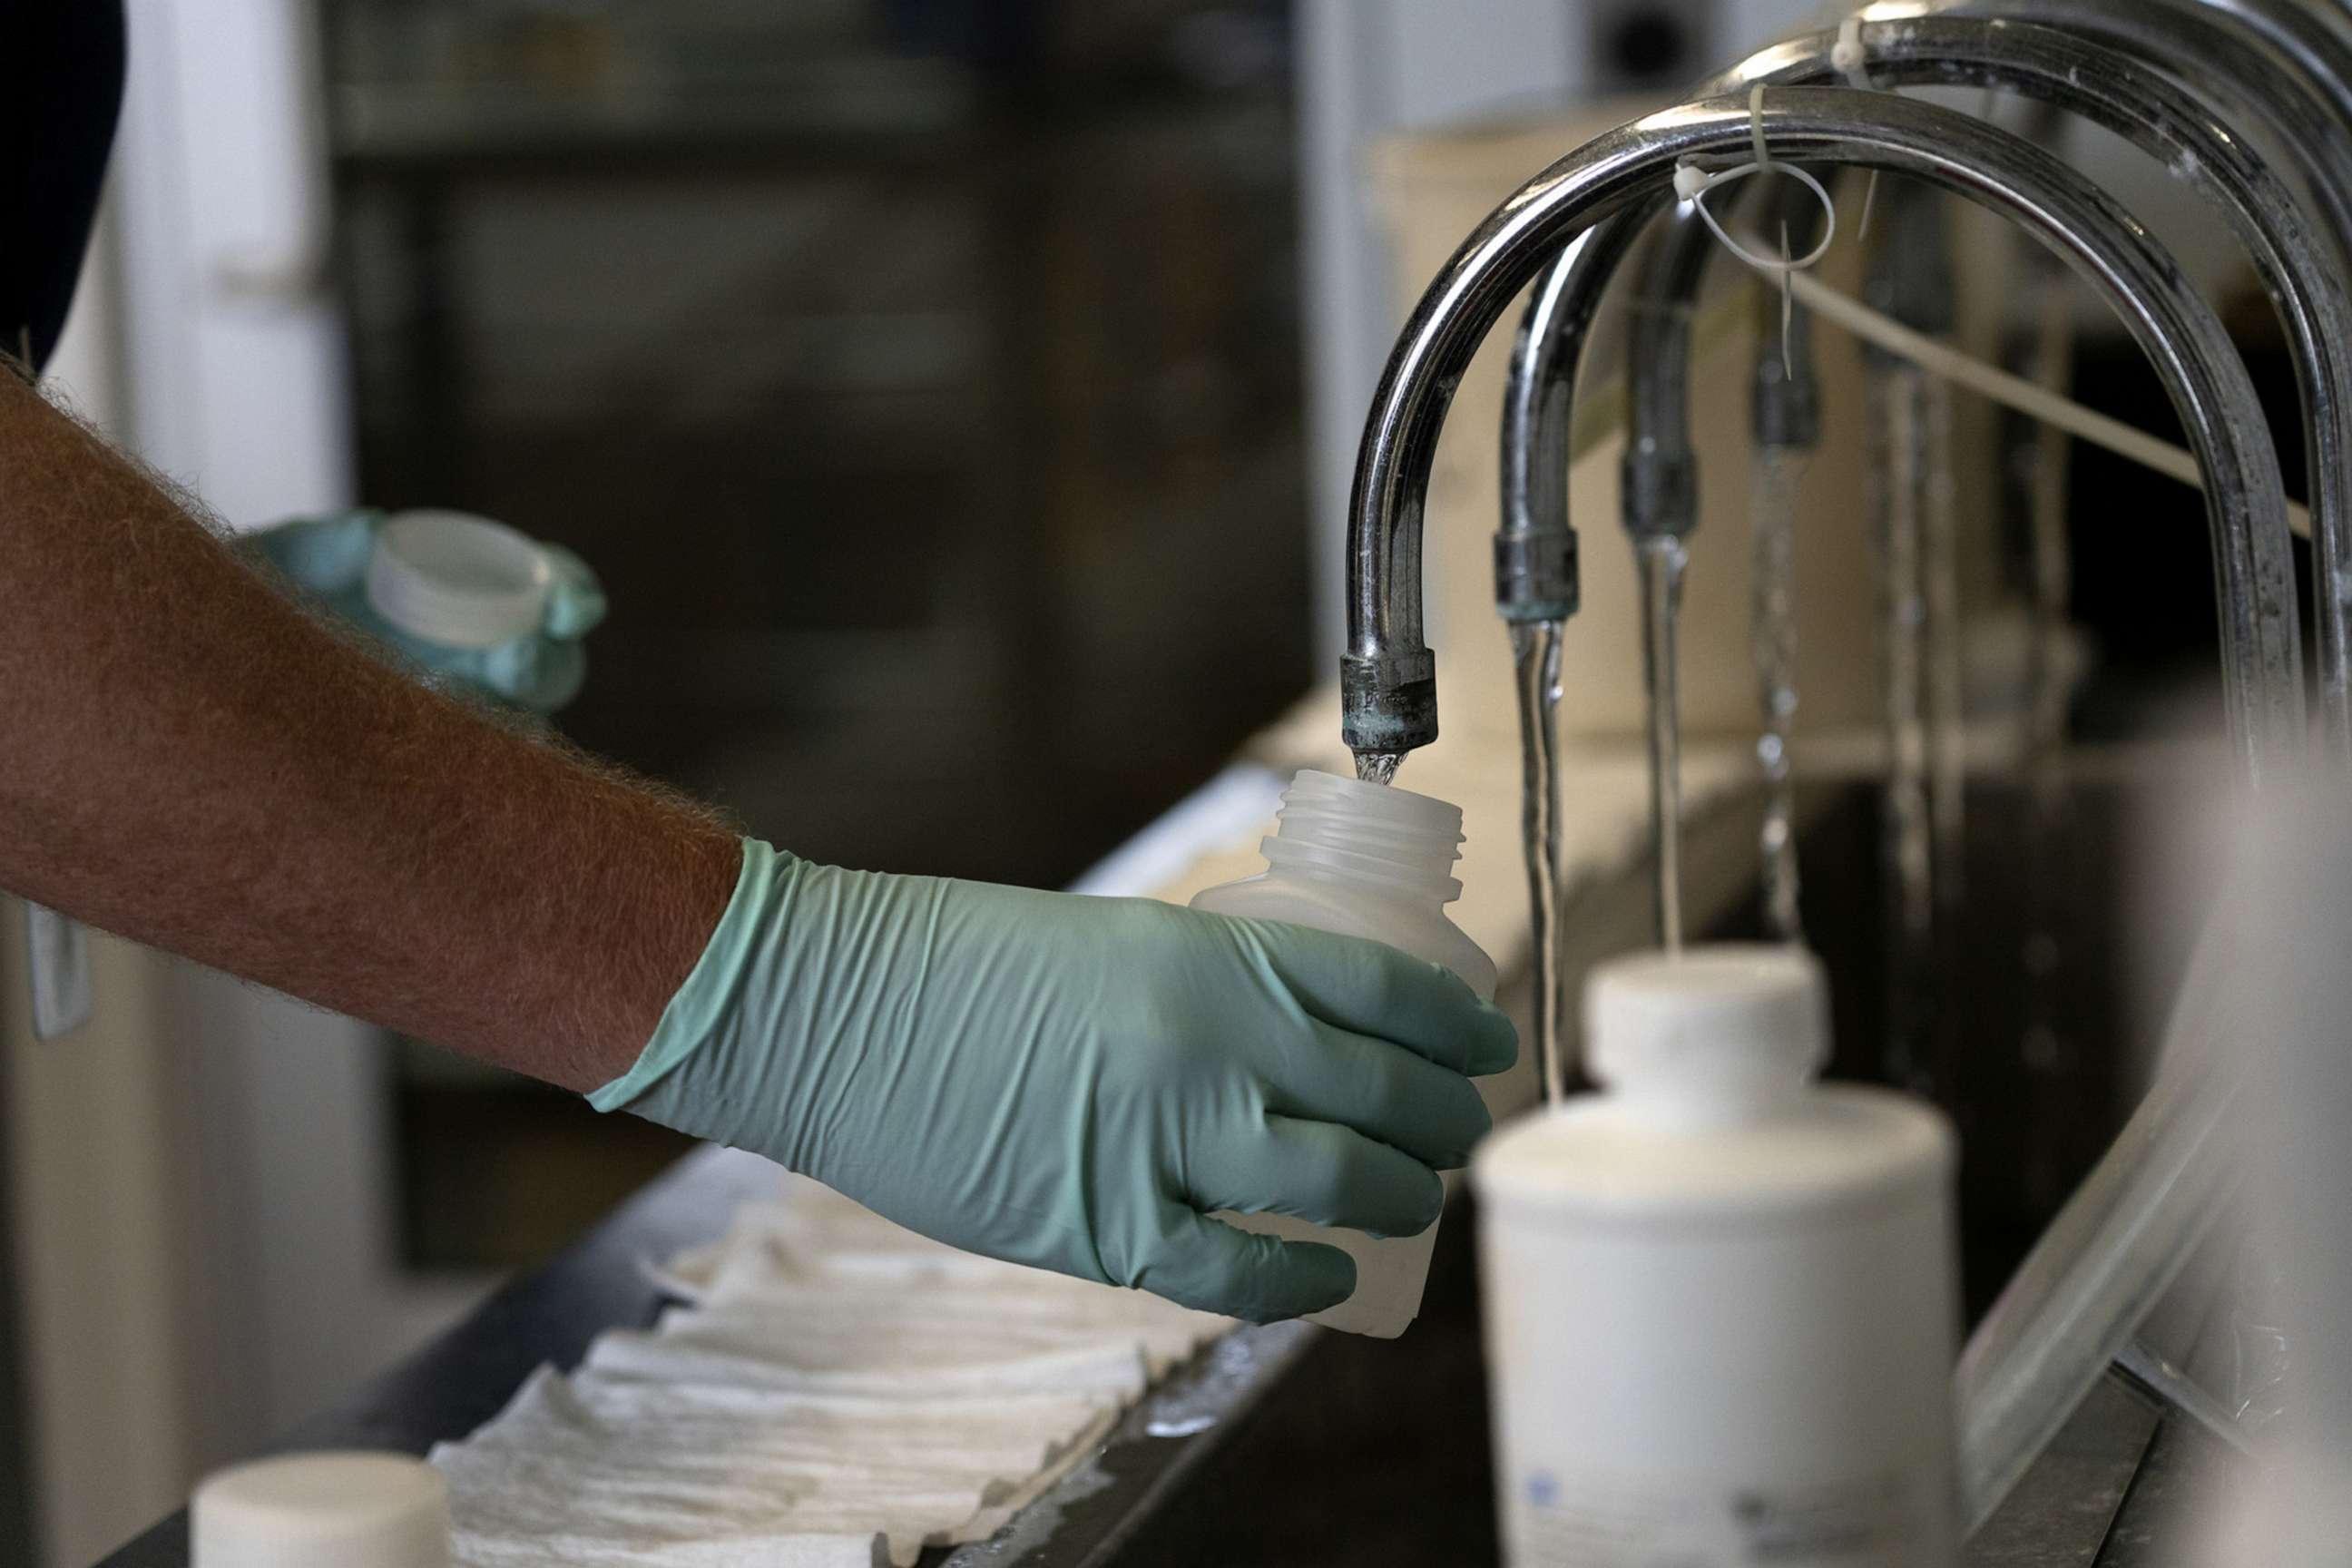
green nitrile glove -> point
(540, 670)
(1077, 1082)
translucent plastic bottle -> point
(1363, 859)
(1720, 1299)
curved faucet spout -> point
(2170, 121)
(1534, 550)
(1387, 674)
(2316, 40)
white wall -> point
(235, 385)
(92, 1131)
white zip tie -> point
(1848, 55)
(1938, 358)
(1692, 183)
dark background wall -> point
(922, 378)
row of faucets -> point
(2247, 101)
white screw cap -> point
(461, 581)
(1724, 1022)
(322, 1510)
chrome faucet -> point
(2165, 118)
(2161, 1173)
(2262, 66)
(1387, 672)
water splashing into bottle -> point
(1377, 767)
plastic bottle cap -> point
(1725, 1022)
(322, 1510)
(458, 580)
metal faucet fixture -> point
(1388, 673)
(2262, 66)
(2303, 270)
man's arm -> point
(188, 759)
(1069, 1082)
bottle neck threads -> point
(1367, 834)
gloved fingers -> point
(1381, 1091)
(1207, 1264)
(1321, 1171)
(1370, 988)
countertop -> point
(463, 1377)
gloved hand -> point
(540, 670)
(1076, 1082)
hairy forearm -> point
(189, 760)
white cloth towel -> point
(836, 1393)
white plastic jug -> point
(1720, 1300)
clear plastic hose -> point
(2111, 1254)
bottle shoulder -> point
(1840, 1145)
(1415, 926)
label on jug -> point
(1564, 1520)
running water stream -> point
(1662, 559)
(1773, 630)
(1895, 484)
(1909, 489)
(1535, 648)
(1945, 673)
